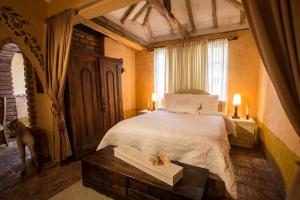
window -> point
(159, 73)
(217, 68)
(210, 68)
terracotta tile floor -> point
(255, 179)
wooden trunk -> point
(111, 176)
(93, 99)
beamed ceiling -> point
(152, 21)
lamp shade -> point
(237, 99)
(154, 97)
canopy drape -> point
(59, 35)
(276, 29)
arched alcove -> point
(8, 50)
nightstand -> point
(246, 134)
(144, 111)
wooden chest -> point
(116, 178)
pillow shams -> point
(183, 106)
(190, 103)
(170, 98)
(209, 103)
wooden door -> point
(84, 98)
(112, 105)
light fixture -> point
(154, 99)
(236, 102)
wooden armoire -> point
(93, 98)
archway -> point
(19, 93)
(14, 66)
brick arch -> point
(7, 51)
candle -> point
(247, 112)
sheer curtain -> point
(187, 66)
(160, 68)
(217, 70)
(200, 65)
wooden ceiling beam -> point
(214, 13)
(228, 34)
(148, 30)
(113, 35)
(140, 11)
(190, 13)
(147, 16)
(127, 13)
(97, 8)
(146, 24)
(167, 5)
(242, 17)
(236, 4)
(161, 9)
(117, 29)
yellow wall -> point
(243, 69)
(243, 65)
(144, 78)
(277, 134)
(115, 49)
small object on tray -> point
(159, 160)
(158, 166)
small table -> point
(246, 134)
(145, 111)
(118, 179)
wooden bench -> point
(111, 176)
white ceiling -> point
(228, 18)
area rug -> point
(78, 192)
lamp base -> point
(235, 115)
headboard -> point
(221, 105)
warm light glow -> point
(237, 99)
(154, 97)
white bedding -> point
(195, 139)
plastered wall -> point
(115, 49)
(276, 132)
(243, 69)
(17, 70)
(18, 76)
(144, 69)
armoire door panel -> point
(85, 103)
(110, 70)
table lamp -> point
(154, 99)
(236, 102)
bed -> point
(198, 139)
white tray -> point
(168, 173)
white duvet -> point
(195, 139)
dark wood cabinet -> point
(93, 99)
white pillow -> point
(209, 102)
(170, 98)
(183, 106)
